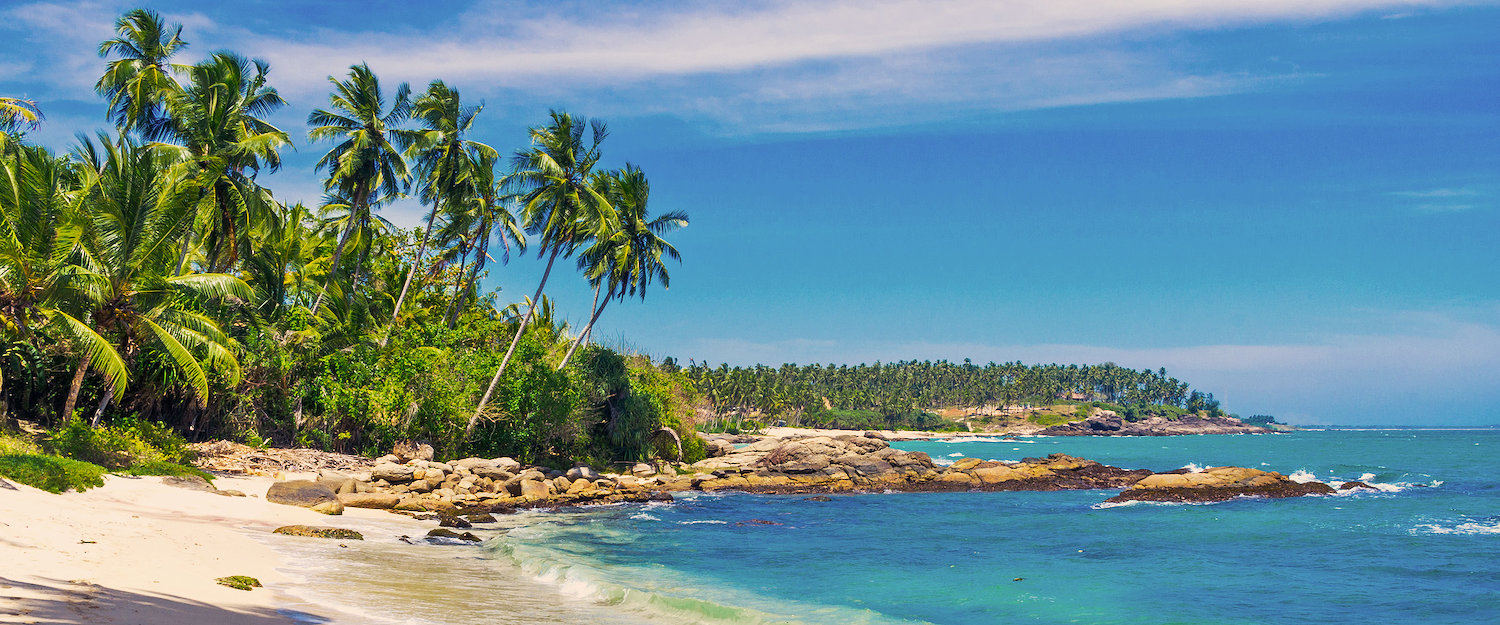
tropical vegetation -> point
(151, 281)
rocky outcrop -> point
(1110, 424)
(1217, 484)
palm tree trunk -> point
(338, 252)
(83, 368)
(468, 286)
(103, 403)
(421, 249)
(514, 341)
(586, 329)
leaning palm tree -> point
(138, 82)
(137, 300)
(483, 215)
(443, 161)
(556, 203)
(222, 141)
(367, 163)
(631, 257)
(18, 113)
(42, 291)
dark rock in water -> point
(190, 482)
(301, 493)
(1355, 484)
(501, 508)
(818, 498)
(448, 520)
(660, 496)
(319, 532)
(443, 532)
(757, 522)
(480, 518)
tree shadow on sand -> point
(58, 602)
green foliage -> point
(51, 473)
(119, 445)
(162, 467)
(1260, 419)
(1049, 420)
(11, 445)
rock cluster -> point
(1217, 484)
(463, 492)
(853, 463)
(1110, 424)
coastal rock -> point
(412, 450)
(492, 472)
(393, 473)
(378, 501)
(1218, 484)
(301, 493)
(582, 472)
(641, 469)
(508, 464)
(190, 482)
(443, 532)
(448, 520)
(313, 531)
(534, 488)
(331, 508)
(1355, 485)
(1110, 424)
(964, 464)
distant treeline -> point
(910, 387)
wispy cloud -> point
(1442, 200)
(774, 66)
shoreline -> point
(139, 551)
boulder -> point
(582, 472)
(378, 501)
(492, 472)
(1355, 485)
(190, 482)
(412, 450)
(448, 520)
(508, 464)
(964, 464)
(641, 469)
(470, 463)
(331, 508)
(313, 531)
(534, 488)
(481, 517)
(443, 532)
(1218, 484)
(393, 473)
(301, 493)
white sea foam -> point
(1473, 528)
(1302, 476)
(703, 522)
(942, 462)
(1193, 467)
(956, 455)
(642, 516)
(975, 439)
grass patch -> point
(162, 467)
(51, 473)
(1049, 420)
(239, 582)
(11, 445)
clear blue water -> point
(1425, 550)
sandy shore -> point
(137, 551)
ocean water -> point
(1423, 549)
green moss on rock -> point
(319, 532)
(239, 582)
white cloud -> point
(774, 66)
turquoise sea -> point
(1423, 549)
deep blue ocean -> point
(1424, 549)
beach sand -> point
(138, 551)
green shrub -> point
(11, 445)
(127, 441)
(1048, 420)
(51, 473)
(162, 467)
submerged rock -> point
(443, 532)
(313, 531)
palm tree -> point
(41, 289)
(367, 164)
(138, 82)
(473, 222)
(146, 310)
(223, 143)
(443, 158)
(17, 113)
(630, 258)
(556, 203)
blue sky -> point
(1292, 204)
